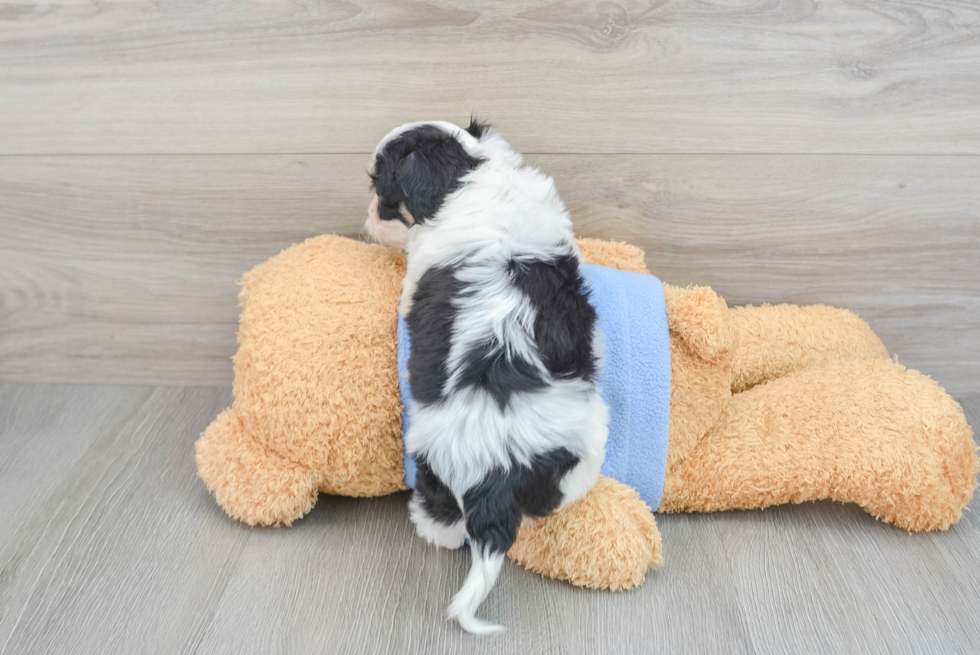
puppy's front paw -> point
(439, 534)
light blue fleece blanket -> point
(634, 380)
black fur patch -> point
(430, 323)
(488, 367)
(419, 168)
(477, 128)
(563, 327)
(494, 507)
(390, 210)
(437, 500)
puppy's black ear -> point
(419, 181)
(432, 169)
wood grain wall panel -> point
(124, 268)
(136, 76)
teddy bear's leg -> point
(868, 432)
(775, 340)
(606, 540)
(251, 483)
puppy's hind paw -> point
(439, 534)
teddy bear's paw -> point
(700, 318)
(606, 540)
(438, 534)
(251, 483)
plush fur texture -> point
(317, 409)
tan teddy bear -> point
(768, 405)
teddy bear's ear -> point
(699, 317)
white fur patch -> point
(467, 434)
(393, 234)
(438, 534)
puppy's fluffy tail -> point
(480, 580)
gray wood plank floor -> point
(112, 545)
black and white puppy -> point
(507, 421)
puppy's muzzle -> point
(392, 233)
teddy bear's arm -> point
(700, 318)
(868, 432)
(606, 540)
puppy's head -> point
(412, 171)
